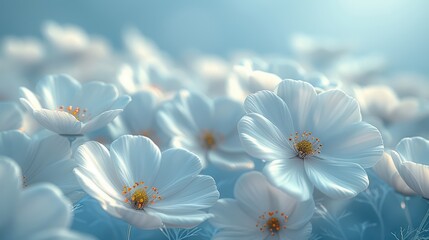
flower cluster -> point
(249, 148)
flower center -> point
(139, 196)
(75, 112)
(209, 140)
(272, 222)
(305, 144)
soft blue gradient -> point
(396, 29)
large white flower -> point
(207, 128)
(310, 139)
(37, 212)
(64, 106)
(145, 188)
(42, 160)
(261, 211)
(411, 160)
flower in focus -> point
(62, 105)
(386, 170)
(42, 160)
(12, 116)
(36, 212)
(261, 211)
(145, 188)
(206, 128)
(411, 160)
(310, 139)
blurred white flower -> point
(386, 170)
(25, 51)
(37, 212)
(11, 116)
(205, 127)
(42, 160)
(411, 160)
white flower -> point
(207, 128)
(145, 188)
(411, 160)
(261, 211)
(386, 170)
(37, 212)
(42, 160)
(310, 139)
(66, 107)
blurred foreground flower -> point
(261, 211)
(310, 139)
(145, 188)
(66, 107)
(44, 160)
(37, 212)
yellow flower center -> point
(209, 140)
(75, 112)
(139, 199)
(305, 144)
(272, 222)
(139, 195)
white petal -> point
(141, 219)
(15, 145)
(229, 214)
(414, 149)
(138, 156)
(58, 90)
(139, 115)
(183, 220)
(299, 96)
(386, 170)
(48, 204)
(303, 233)
(58, 121)
(230, 160)
(336, 179)
(273, 108)
(332, 110)
(11, 116)
(97, 97)
(177, 169)
(95, 163)
(231, 143)
(414, 174)
(226, 115)
(101, 120)
(200, 193)
(45, 152)
(290, 176)
(301, 215)
(97, 191)
(186, 115)
(359, 143)
(31, 100)
(262, 139)
(191, 145)
(11, 181)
